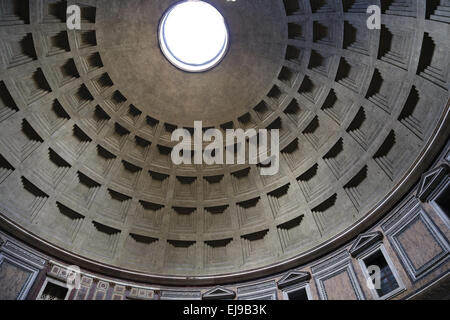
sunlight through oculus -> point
(193, 36)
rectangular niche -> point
(52, 168)
(214, 188)
(140, 150)
(82, 190)
(434, 61)
(7, 105)
(51, 115)
(288, 76)
(297, 153)
(55, 42)
(34, 87)
(356, 6)
(282, 200)
(140, 248)
(185, 188)
(63, 223)
(116, 206)
(103, 240)
(359, 188)
(315, 181)
(242, 181)
(322, 6)
(255, 246)
(127, 175)
(116, 101)
(331, 214)
(117, 136)
(417, 113)
(297, 112)
(291, 233)
(166, 133)
(79, 98)
(180, 254)
(149, 215)
(263, 110)
(100, 160)
(324, 32)
(183, 220)
(91, 62)
(295, 31)
(21, 139)
(217, 219)
(357, 37)
(161, 156)
(276, 95)
(102, 83)
(250, 213)
(399, 8)
(86, 39)
(339, 158)
(131, 115)
(311, 89)
(217, 253)
(267, 180)
(352, 74)
(337, 107)
(88, 13)
(156, 184)
(74, 142)
(14, 12)
(28, 199)
(65, 72)
(150, 126)
(246, 121)
(365, 127)
(437, 10)
(18, 49)
(54, 11)
(5, 169)
(294, 54)
(321, 62)
(393, 154)
(95, 118)
(280, 125)
(383, 92)
(395, 46)
(293, 7)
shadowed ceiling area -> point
(86, 118)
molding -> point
(293, 278)
(24, 264)
(430, 180)
(413, 215)
(364, 242)
(347, 267)
(180, 295)
(219, 293)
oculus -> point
(193, 36)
